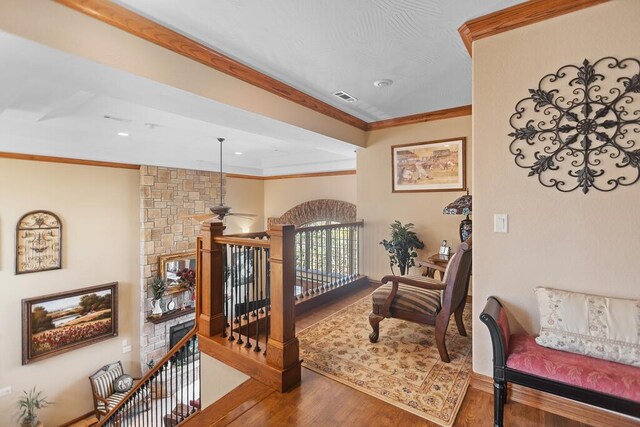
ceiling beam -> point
(124, 19)
(518, 16)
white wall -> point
(586, 243)
(99, 209)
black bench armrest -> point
(489, 317)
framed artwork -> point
(38, 242)
(429, 166)
(57, 323)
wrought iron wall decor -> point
(38, 242)
(580, 128)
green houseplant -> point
(158, 288)
(28, 406)
(402, 246)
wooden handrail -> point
(252, 235)
(241, 241)
(151, 372)
(330, 226)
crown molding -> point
(518, 16)
(124, 19)
(298, 175)
(51, 159)
(447, 113)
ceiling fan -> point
(220, 211)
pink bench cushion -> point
(582, 371)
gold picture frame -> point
(429, 166)
(169, 264)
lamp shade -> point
(460, 206)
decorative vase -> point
(157, 309)
(29, 421)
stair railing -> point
(168, 394)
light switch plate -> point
(5, 391)
(500, 223)
(126, 349)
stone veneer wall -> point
(317, 210)
(166, 194)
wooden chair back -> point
(457, 278)
(102, 381)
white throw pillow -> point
(596, 326)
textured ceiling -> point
(320, 47)
(53, 103)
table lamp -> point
(461, 206)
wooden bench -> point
(518, 359)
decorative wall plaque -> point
(38, 242)
(580, 128)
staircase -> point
(167, 395)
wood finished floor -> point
(320, 401)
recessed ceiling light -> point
(123, 134)
(238, 153)
(383, 83)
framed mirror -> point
(172, 265)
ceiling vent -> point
(118, 119)
(345, 96)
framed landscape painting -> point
(429, 166)
(57, 323)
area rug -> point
(403, 368)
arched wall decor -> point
(38, 242)
(580, 128)
(317, 210)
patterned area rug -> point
(403, 368)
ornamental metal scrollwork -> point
(580, 129)
(38, 242)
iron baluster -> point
(232, 292)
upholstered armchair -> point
(426, 300)
(105, 395)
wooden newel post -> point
(210, 286)
(282, 349)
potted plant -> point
(29, 405)
(158, 288)
(402, 246)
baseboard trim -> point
(567, 408)
(80, 418)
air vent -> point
(345, 96)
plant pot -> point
(29, 421)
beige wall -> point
(245, 196)
(280, 195)
(565, 240)
(99, 210)
(217, 379)
(379, 207)
(57, 26)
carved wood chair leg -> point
(441, 332)
(459, 322)
(374, 321)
